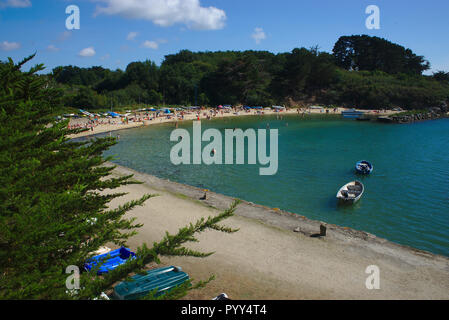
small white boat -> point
(351, 192)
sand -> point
(102, 128)
(266, 259)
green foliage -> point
(79, 76)
(179, 291)
(305, 72)
(363, 72)
(380, 90)
(53, 209)
(373, 53)
(410, 113)
(441, 76)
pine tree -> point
(53, 211)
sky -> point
(113, 33)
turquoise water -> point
(406, 198)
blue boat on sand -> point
(364, 167)
(111, 260)
(162, 279)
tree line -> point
(361, 71)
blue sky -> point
(162, 27)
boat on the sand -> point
(162, 280)
(110, 260)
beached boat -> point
(102, 250)
(351, 192)
(222, 296)
(352, 113)
(364, 167)
(110, 260)
(163, 280)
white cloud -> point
(87, 52)
(9, 46)
(132, 35)
(166, 12)
(52, 48)
(15, 3)
(150, 45)
(258, 35)
(105, 57)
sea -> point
(406, 198)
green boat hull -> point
(162, 279)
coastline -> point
(105, 128)
(267, 235)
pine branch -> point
(170, 245)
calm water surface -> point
(406, 198)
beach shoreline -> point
(266, 232)
(105, 128)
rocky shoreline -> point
(431, 114)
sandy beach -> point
(266, 259)
(139, 118)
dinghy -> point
(110, 260)
(163, 280)
(352, 113)
(364, 167)
(351, 192)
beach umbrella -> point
(113, 114)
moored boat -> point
(351, 192)
(162, 279)
(352, 113)
(364, 167)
